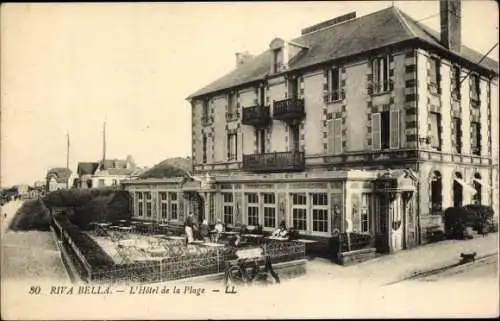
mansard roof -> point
(377, 30)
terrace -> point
(141, 252)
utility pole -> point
(67, 150)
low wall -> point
(353, 257)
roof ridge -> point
(341, 23)
(402, 20)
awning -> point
(482, 183)
(466, 186)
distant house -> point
(58, 178)
(85, 172)
(108, 172)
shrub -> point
(32, 215)
(479, 217)
(455, 222)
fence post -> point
(218, 260)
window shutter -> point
(338, 136)
(331, 136)
(394, 136)
(228, 146)
(376, 131)
(239, 146)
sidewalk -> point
(400, 265)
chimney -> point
(451, 24)
(242, 58)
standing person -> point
(219, 228)
(188, 229)
(204, 231)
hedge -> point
(94, 254)
(92, 205)
(32, 215)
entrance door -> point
(397, 224)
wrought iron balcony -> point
(289, 109)
(274, 162)
(256, 116)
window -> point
(252, 209)
(140, 203)
(455, 82)
(476, 138)
(232, 145)
(293, 88)
(477, 186)
(262, 96)
(114, 182)
(385, 130)
(335, 136)
(173, 206)
(231, 103)
(228, 206)
(204, 109)
(269, 210)
(100, 183)
(365, 213)
(260, 134)
(334, 84)
(434, 75)
(474, 90)
(149, 204)
(277, 60)
(299, 212)
(163, 205)
(204, 143)
(457, 134)
(435, 130)
(457, 190)
(319, 212)
(380, 70)
(436, 193)
(294, 137)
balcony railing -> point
(289, 109)
(256, 116)
(274, 162)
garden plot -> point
(132, 247)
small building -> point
(59, 178)
(106, 173)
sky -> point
(66, 68)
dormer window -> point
(277, 60)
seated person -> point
(281, 232)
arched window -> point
(477, 186)
(458, 191)
(436, 193)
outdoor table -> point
(306, 241)
(125, 228)
(163, 225)
(142, 246)
(277, 238)
(176, 237)
(210, 244)
(126, 243)
(253, 235)
(156, 252)
(229, 233)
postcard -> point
(249, 160)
